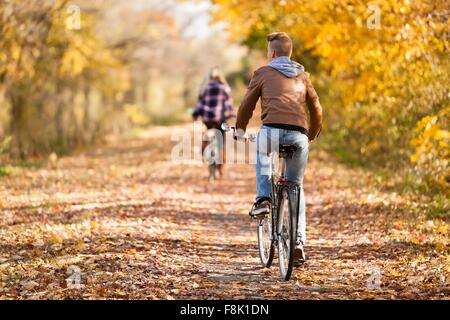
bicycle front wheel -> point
(286, 233)
(265, 240)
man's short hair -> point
(280, 43)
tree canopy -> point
(382, 67)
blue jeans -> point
(268, 141)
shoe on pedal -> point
(299, 253)
(260, 209)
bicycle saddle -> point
(286, 150)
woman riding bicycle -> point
(215, 106)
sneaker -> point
(260, 209)
(299, 253)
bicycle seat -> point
(286, 150)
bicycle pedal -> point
(258, 217)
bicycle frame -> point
(212, 147)
(277, 187)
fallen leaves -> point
(29, 285)
(141, 230)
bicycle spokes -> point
(266, 240)
(280, 226)
(285, 235)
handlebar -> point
(226, 127)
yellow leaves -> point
(94, 225)
(259, 25)
(440, 135)
(394, 273)
(80, 245)
(443, 144)
(135, 114)
(419, 231)
(15, 52)
(417, 240)
(131, 251)
(73, 63)
(430, 130)
(441, 247)
(443, 229)
(54, 238)
(431, 148)
(376, 74)
(415, 142)
(414, 157)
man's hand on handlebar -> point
(239, 135)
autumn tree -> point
(71, 74)
(382, 68)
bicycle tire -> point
(212, 172)
(266, 243)
(286, 231)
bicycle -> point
(279, 227)
(211, 153)
(211, 148)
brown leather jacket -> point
(283, 101)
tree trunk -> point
(17, 124)
(87, 117)
(59, 120)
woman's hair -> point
(215, 74)
(203, 86)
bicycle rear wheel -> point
(287, 222)
(266, 244)
(212, 171)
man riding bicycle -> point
(286, 91)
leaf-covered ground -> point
(130, 224)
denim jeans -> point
(268, 141)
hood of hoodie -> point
(287, 67)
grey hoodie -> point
(286, 66)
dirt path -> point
(129, 223)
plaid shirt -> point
(215, 104)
